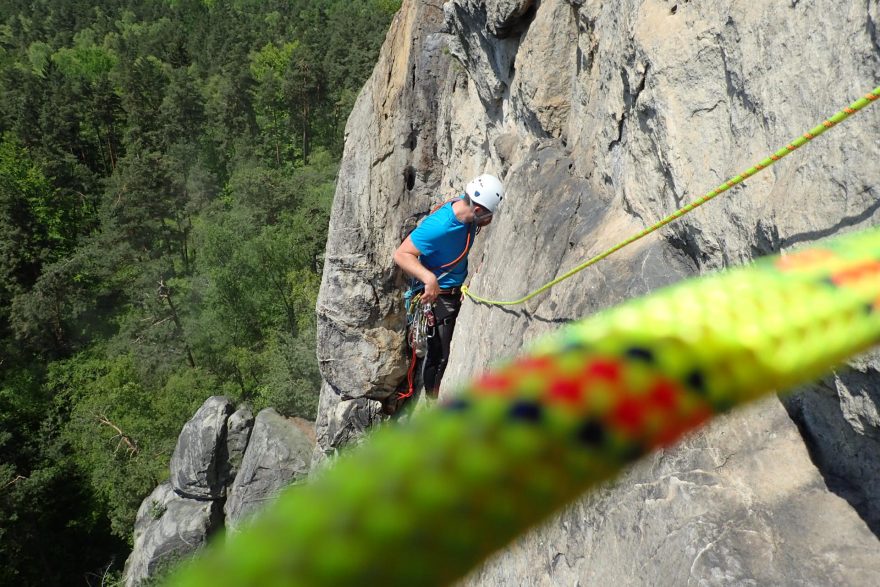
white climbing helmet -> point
(486, 190)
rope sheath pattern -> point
(424, 501)
(764, 164)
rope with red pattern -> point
(424, 501)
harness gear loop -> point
(420, 327)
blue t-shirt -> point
(441, 238)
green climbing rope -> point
(423, 502)
(767, 162)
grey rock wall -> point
(732, 506)
(341, 423)
(226, 465)
(838, 419)
(238, 433)
(196, 465)
(602, 118)
(277, 455)
(168, 528)
(390, 152)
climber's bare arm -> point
(407, 258)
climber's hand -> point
(432, 290)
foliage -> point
(166, 174)
(121, 430)
(44, 497)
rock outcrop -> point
(196, 469)
(736, 505)
(226, 465)
(169, 527)
(278, 454)
(602, 118)
(341, 422)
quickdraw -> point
(420, 324)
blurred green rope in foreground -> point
(422, 503)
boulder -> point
(199, 459)
(168, 528)
(277, 455)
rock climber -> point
(435, 255)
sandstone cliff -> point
(601, 118)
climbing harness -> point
(449, 486)
(764, 164)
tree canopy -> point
(166, 174)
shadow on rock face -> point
(838, 419)
(843, 223)
(526, 314)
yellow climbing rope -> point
(423, 502)
(767, 162)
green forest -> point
(166, 174)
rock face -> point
(238, 432)
(602, 118)
(219, 453)
(839, 421)
(341, 422)
(278, 454)
(196, 469)
(169, 527)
